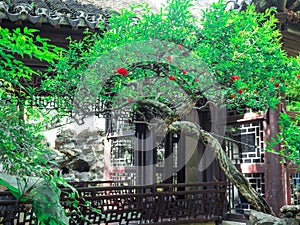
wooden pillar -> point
(145, 155)
(181, 159)
(275, 177)
(107, 148)
(139, 157)
(168, 159)
(107, 158)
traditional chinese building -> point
(136, 155)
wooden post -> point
(275, 177)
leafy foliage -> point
(245, 44)
(14, 46)
(228, 55)
(288, 137)
(42, 195)
(170, 58)
(241, 51)
(293, 87)
(23, 149)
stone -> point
(59, 159)
(58, 142)
(89, 158)
(290, 211)
(67, 146)
(71, 152)
(66, 133)
(80, 157)
(71, 140)
(98, 165)
(259, 218)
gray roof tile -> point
(66, 12)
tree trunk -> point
(242, 184)
(172, 124)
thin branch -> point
(204, 106)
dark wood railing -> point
(150, 204)
(13, 212)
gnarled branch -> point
(235, 176)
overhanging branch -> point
(235, 176)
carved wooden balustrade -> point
(150, 204)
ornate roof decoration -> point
(55, 12)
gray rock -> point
(290, 211)
(80, 157)
(67, 146)
(59, 159)
(66, 133)
(259, 218)
(97, 166)
(59, 142)
(89, 158)
(71, 152)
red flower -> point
(232, 95)
(184, 72)
(169, 58)
(196, 80)
(240, 91)
(298, 76)
(271, 79)
(129, 100)
(180, 46)
(277, 85)
(122, 71)
(233, 78)
(172, 78)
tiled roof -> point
(81, 13)
(66, 12)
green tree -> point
(18, 44)
(288, 137)
(21, 143)
(24, 155)
(164, 63)
(292, 93)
